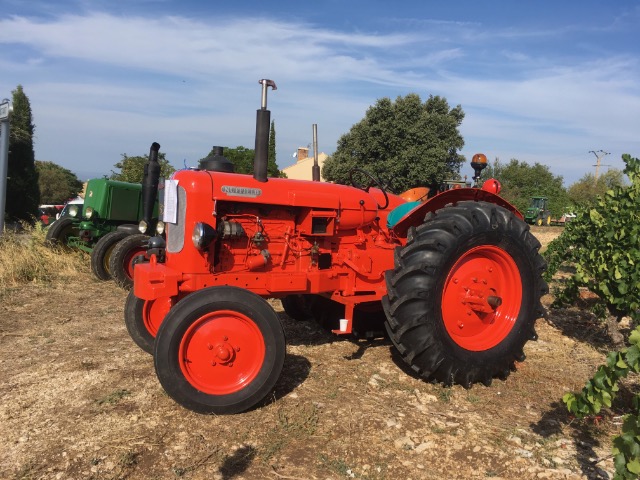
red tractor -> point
(455, 279)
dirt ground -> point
(81, 401)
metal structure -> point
(5, 112)
(454, 279)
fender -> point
(416, 216)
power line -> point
(598, 158)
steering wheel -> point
(373, 181)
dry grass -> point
(81, 401)
(25, 258)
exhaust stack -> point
(263, 123)
(150, 182)
(315, 170)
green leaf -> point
(634, 466)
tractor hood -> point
(354, 206)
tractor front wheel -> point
(143, 318)
(123, 258)
(61, 230)
(220, 350)
(101, 254)
(465, 293)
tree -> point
(23, 195)
(586, 189)
(242, 157)
(132, 168)
(521, 181)
(56, 184)
(272, 166)
(405, 143)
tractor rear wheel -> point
(59, 232)
(101, 254)
(220, 350)
(143, 318)
(123, 258)
(465, 293)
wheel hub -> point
(481, 298)
(214, 340)
(224, 353)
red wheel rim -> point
(153, 312)
(482, 297)
(128, 269)
(222, 352)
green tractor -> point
(538, 212)
(111, 212)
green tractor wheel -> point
(123, 258)
(60, 231)
(101, 254)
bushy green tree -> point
(23, 194)
(56, 183)
(585, 190)
(132, 168)
(521, 181)
(406, 143)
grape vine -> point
(603, 246)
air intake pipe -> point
(150, 182)
(263, 123)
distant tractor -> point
(93, 226)
(538, 212)
(129, 243)
(455, 279)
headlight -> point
(142, 226)
(203, 235)
(73, 211)
(88, 213)
(160, 227)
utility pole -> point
(5, 109)
(598, 158)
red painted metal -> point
(481, 298)
(221, 352)
(284, 237)
(128, 261)
(154, 311)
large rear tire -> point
(465, 293)
(61, 230)
(220, 350)
(123, 257)
(144, 317)
(101, 254)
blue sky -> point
(540, 81)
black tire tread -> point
(101, 252)
(56, 232)
(412, 289)
(119, 255)
(133, 321)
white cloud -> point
(102, 84)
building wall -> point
(302, 169)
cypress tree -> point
(23, 194)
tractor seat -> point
(400, 212)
